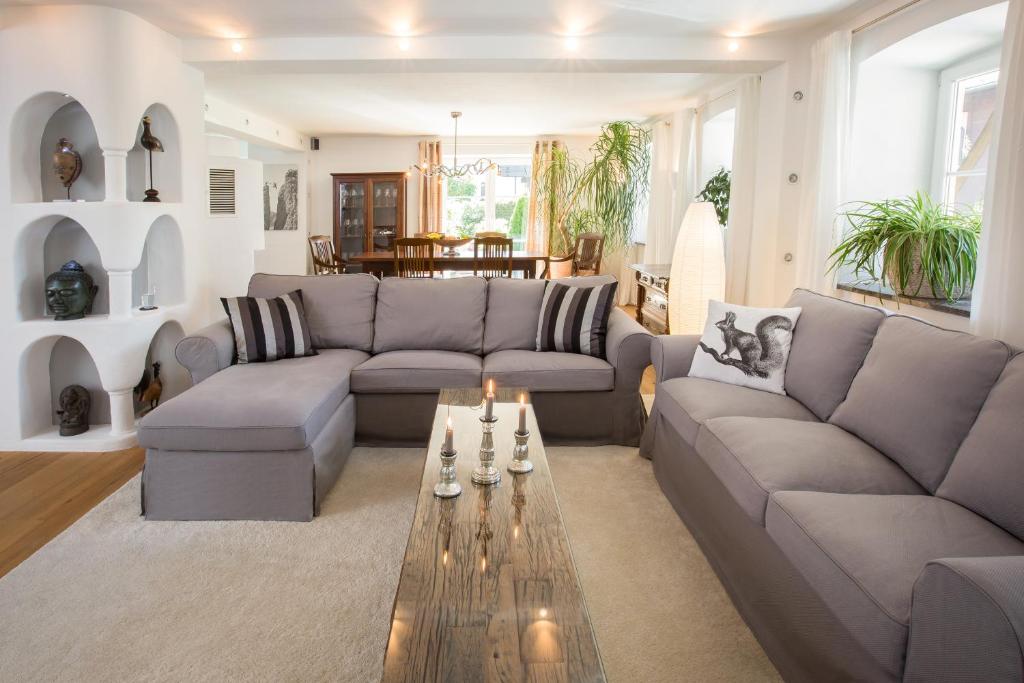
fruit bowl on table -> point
(449, 242)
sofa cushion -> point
(575, 319)
(426, 314)
(830, 342)
(415, 372)
(754, 457)
(987, 474)
(513, 307)
(687, 402)
(339, 308)
(276, 406)
(541, 371)
(269, 329)
(862, 554)
(919, 392)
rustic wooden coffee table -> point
(489, 590)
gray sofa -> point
(869, 525)
(268, 440)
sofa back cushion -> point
(339, 308)
(987, 474)
(513, 307)
(830, 342)
(919, 392)
(436, 315)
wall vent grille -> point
(222, 192)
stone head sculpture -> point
(74, 402)
(67, 163)
(70, 292)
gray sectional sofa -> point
(268, 440)
(869, 526)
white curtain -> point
(825, 153)
(673, 180)
(741, 193)
(998, 300)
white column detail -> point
(120, 283)
(122, 412)
(115, 168)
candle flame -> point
(448, 422)
(522, 399)
(490, 386)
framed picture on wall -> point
(280, 197)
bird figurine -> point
(150, 143)
(150, 398)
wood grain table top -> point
(489, 590)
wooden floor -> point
(41, 494)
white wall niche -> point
(162, 266)
(167, 175)
(47, 366)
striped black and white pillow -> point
(575, 319)
(269, 329)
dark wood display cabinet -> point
(369, 211)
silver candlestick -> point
(486, 472)
(447, 486)
(521, 454)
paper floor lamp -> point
(698, 269)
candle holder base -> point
(486, 473)
(520, 454)
(447, 486)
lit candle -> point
(448, 436)
(489, 405)
(522, 413)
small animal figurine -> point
(150, 398)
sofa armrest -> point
(967, 621)
(628, 349)
(208, 351)
(672, 355)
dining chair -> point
(585, 256)
(491, 234)
(414, 257)
(325, 260)
(492, 257)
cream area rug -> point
(116, 598)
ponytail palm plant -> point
(601, 195)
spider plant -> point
(716, 191)
(912, 244)
(600, 195)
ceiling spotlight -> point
(401, 28)
(572, 43)
(403, 44)
(236, 47)
(733, 46)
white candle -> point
(449, 436)
(489, 405)
(522, 413)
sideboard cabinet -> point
(369, 211)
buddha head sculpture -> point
(70, 292)
(74, 402)
(67, 163)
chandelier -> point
(455, 171)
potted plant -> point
(913, 245)
(600, 195)
(716, 191)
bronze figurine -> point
(67, 164)
(70, 292)
(74, 405)
(151, 143)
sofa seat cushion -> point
(416, 372)
(278, 406)
(754, 457)
(541, 371)
(862, 554)
(686, 402)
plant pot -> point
(918, 286)
(560, 269)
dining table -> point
(382, 263)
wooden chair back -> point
(490, 234)
(325, 261)
(492, 257)
(414, 257)
(587, 252)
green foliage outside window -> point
(517, 223)
(461, 188)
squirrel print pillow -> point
(746, 346)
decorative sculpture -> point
(74, 402)
(149, 396)
(70, 292)
(151, 143)
(67, 164)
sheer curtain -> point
(825, 154)
(431, 197)
(538, 221)
(673, 180)
(998, 309)
(741, 194)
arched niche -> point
(37, 126)
(173, 376)
(162, 266)
(166, 164)
(42, 248)
(47, 366)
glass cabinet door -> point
(384, 216)
(351, 218)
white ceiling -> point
(419, 103)
(268, 18)
(949, 42)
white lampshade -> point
(698, 269)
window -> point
(972, 103)
(494, 201)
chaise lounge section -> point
(868, 526)
(268, 440)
